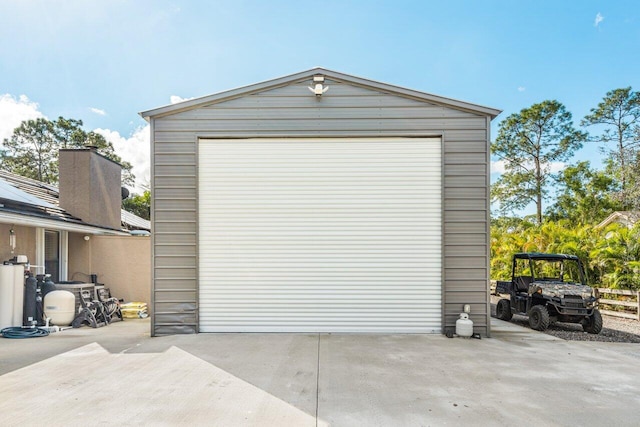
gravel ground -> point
(615, 329)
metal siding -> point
(464, 204)
(468, 297)
(169, 159)
(464, 135)
(154, 237)
(317, 235)
(174, 212)
(487, 225)
(464, 158)
(346, 124)
(279, 102)
(467, 250)
(465, 285)
(173, 193)
(311, 112)
(337, 89)
(463, 181)
(466, 193)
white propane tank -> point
(464, 326)
(60, 306)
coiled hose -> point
(18, 332)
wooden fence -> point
(631, 308)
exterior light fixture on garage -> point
(318, 89)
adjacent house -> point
(626, 218)
(78, 228)
(319, 202)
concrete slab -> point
(284, 365)
(90, 386)
(117, 337)
(428, 380)
(120, 374)
(512, 332)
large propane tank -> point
(60, 307)
(464, 326)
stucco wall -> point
(90, 187)
(122, 263)
(25, 242)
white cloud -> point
(557, 166)
(98, 111)
(175, 99)
(497, 166)
(135, 150)
(14, 111)
(521, 88)
(598, 20)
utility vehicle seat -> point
(522, 283)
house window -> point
(52, 254)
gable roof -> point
(627, 218)
(293, 78)
(37, 199)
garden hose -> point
(18, 332)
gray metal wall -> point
(291, 110)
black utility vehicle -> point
(549, 288)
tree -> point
(69, 133)
(587, 242)
(619, 113)
(32, 149)
(529, 142)
(584, 195)
(616, 256)
(138, 204)
(633, 188)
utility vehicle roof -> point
(544, 257)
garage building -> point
(319, 202)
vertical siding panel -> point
(174, 208)
(466, 225)
(153, 227)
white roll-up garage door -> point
(320, 235)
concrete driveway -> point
(118, 375)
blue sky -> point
(105, 61)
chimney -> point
(90, 187)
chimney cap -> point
(88, 149)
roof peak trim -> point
(292, 78)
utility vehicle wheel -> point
(539, 318)
(593, 324)
(503, 310)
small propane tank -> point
(464, 326)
